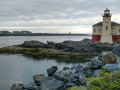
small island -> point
(67, 51)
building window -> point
(106, 28)
(119, 30)
(94, 30)
(99, 30)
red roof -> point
(112, 23)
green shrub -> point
(108, 81)
(78, 88)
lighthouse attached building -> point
(106, 31)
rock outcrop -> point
(84, 46)
(34, 44)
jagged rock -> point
(88, 72)
(34, 44)
(96, 73)
(111, 67)
(51, 84)
(52, 70)
(84, 46)
(95, 63)
(30, 86)
(77, 78)
(39, 78)
(116, 50)
(109, 58)
(78, 67)
(66, 68)
(16, 87)
(69, 84)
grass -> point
(48, 53)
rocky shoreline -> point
(67, 51)
(76, 75)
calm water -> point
(20, 69)
(13, 40)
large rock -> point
(116, 50)
(39, 78)
(96, 73)
(111, 67)
(78, 67)
(52, 70)
(34, 44)
(69, 84)
(51, 84)
(30, 86)
(109, 58)
(16, 87)
(95, 64)
(77, 78)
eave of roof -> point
(112, 24)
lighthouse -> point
(107, 30)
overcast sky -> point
(55, 16)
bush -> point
(108, 81)
(78, 88)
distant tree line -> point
(29, 33)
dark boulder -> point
(78, 67)
(52, 70)
(116, 50)
(95, 64)
(30, 86)
(69, 84)
(39, 78)
(66, 68)
(77, 78)
(34, 44)
(51, 84)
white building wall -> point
(106, 26)
(116, 29)
(97, 30)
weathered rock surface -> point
(111, 67)
(83, 46)
(34, 44)
(51, 84)
(110, 58)
(16, 87)
(39, 78)
(52, 70)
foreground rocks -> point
(74, 76)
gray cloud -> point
(36, 13)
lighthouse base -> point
(106, 38)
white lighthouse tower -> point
(106, 34)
